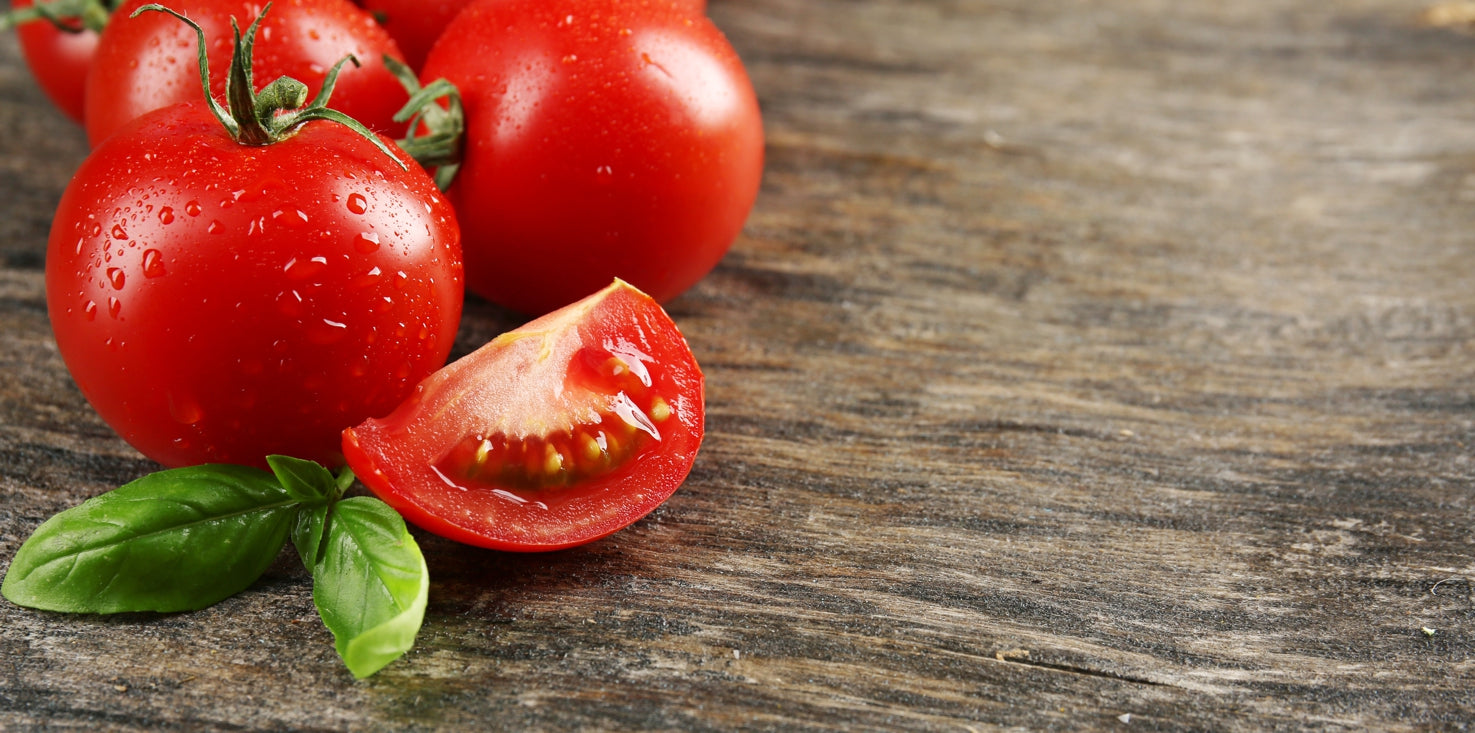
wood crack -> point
(1022, 657)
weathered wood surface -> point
(1083, 365)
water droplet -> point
(295, 218)
(96, 230)
(153, 263)
(90, 310)
(115, 307)
(215, 227)
(193, 208)
(185, 410)
(326, 332)
(368, 278)
(290, 304)
(303, 269)
(569, 59)
(357, 203)
(366, 242)
(119, 232)
(166, 215)
(117, 277)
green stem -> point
(439, 147)
(71, 16)
(280, 108)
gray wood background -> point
(1083, 365)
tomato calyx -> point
(281, 107)
(436, 133)
(71, 16)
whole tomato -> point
(148, 62)
(415, 24)
(58, 59)
(603, 139)
(219, 302)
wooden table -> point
(1083, 365)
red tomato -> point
(149, 62)
(415, 24)
(218, 302)
(550, 436)
(59, 60)
(604, 138)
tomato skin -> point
(148, 62)
(217, 302)
(526, 381)
(604, 138)
(415, 24)
(59, 60)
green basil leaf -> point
(307, 481)
(175, 540)
(370, 584)
(307, 533)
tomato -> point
(550, 436)
(149, 62)
(219, 302)
(58, 59)
(415, 24)
(604, 138)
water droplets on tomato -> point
(117, 278)
(326, 331)
(369, 278)
(357, 203)
(185, 410)
(295, 218)
(153, 263)
(299, 268)
(366, 242)
(291, 304)
(166, 215)
(193, 208)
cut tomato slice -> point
(550, 436)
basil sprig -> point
(186, 538)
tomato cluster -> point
(237, 271)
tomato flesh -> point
(552, 435)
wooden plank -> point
(1082, 365)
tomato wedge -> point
(550, 436)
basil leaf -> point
(306, 481)
(175, 540)
(370, 584)
(307, 533)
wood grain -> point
(1083, 365)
